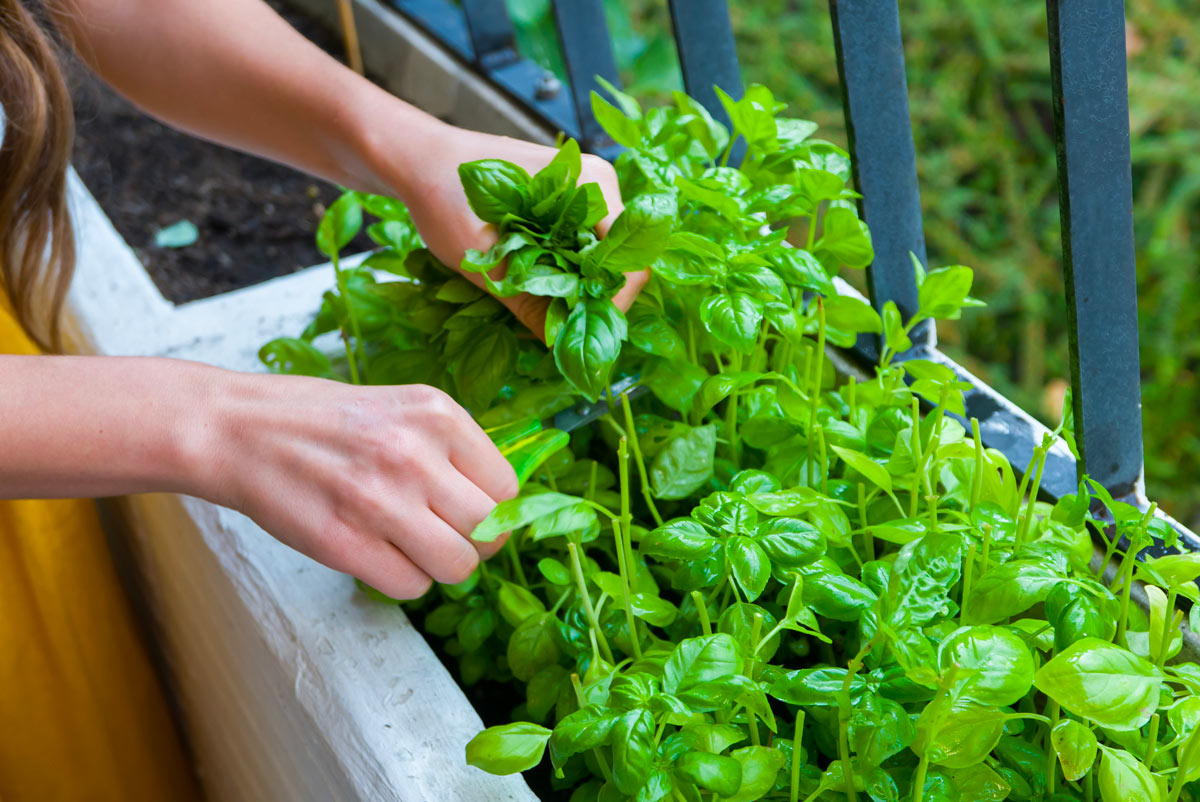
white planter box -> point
(293, 686)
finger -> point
(476, 457)
(436, 548)
(531, 311)
(386, 568)
(633, 285)
(462, 505)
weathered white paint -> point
(292, 685)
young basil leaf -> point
(509, 748)
(760, 766)
(623, 130)
(945, 291)
(519, 512)
(340, 224)
(1008, 589)
(1124, 778)
(750, 565)
(589, 344)
(717, 773)
(485, 365)
(494, 188)
(697, 664)
(790, 543)
(516, 603)
(532, 647)
(1075, 746)
(994, 665)
(819, 687)
(586, 728)
(555, 572)
(845, 238)
(681, 539)
(295, 357)
(637, 236)
(633, 750)
(733, 318)
(880, 728)
(957, 734)
(1102, 683)
(685, 464)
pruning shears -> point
(528, 443)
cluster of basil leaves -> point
(759, 581)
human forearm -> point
(234, 72)
(98, 426)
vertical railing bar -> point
(870, 56)
(587, 51)
(1091, 115)
(707, 52)
(492, 34)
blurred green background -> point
(979, 89)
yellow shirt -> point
(82, 715)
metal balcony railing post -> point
(1091, 115)
(587, 51)
(492, 35)
(870, 56)
(707, 52)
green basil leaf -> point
(519, 512)
(685, 464)
(845, 238)
(531, 647)
(494, 188)
(696, 664)
(750, 565)
(1076, 748)
(760, 766)
(789, 542)
(957, 734)
(586, 728)
(869, 468)
(717, 773)
(994, 665)
(509, 748)
(589, 344)
(623, 130)
(944, 292)
(340, 224)
(733, 318)
(295, 357)
(555, 572)
(637, 236)
(633, 750)
(681, 539)
(1124, 778)
(517, 603)
(1102, 683)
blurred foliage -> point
(979, 90)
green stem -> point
(604, 770)
(986, 552)
(814, 366)
(702, 612)
(823, 459)
(631, 432)
(351, 356)
(1125, 572)
(845, 710)
(977, 478)
(515, 557)
(1040, 468)
(731, 411)
(588, 610)
(1152, 742)
(868, 538)
(1164, 638)
(968, 576)
(621, 533)
(1052, 712)
(852, 396)
(748, 670)
(915, 447)
(794, 792)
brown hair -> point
(37, 244)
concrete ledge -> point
(292, 685)
(417, 68)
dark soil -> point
(256, 219)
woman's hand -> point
(434, 196)
(383, 483)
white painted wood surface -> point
(293, 686)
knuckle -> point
(460, 568)
(507, 485)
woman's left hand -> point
(435, 197)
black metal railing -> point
(1091, 105)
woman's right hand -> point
(383, 483)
